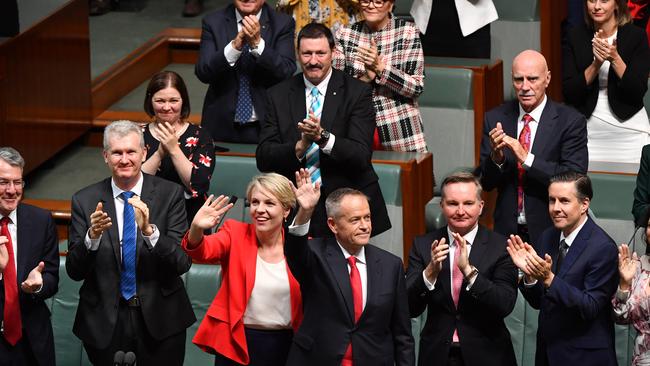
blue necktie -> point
(244, 108)
(127, 278)
(313, 151)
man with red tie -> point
(525, 142)
(354, 296)
(29, 263)
(462, 275)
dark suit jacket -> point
(625, 95)
(165, 306)
(560, 145)
(484, 338)
(575, 324)
(349, 115)
(382, 337)
(642, 191)
(37, 241)
(277, 63)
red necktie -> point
(524, 140)
(456, 283)
(357, 299)
(13, 325)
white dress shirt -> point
(322, 89)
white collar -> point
(361, 256)
(239, 17)
(469, 237)
(137, 189)
(535, 113)
(322, 86)
(572, 236)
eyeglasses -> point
(19, 183)
(376, 3)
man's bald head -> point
(530, 78)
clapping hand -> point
(252, 30)
(497, 144)
(462, 260)
(439, 252)
(34, 280)
(167, 137)
(4, 254)
(371, 58)
(141, 215)
(526, 259)
(99, 221)
(627, 266)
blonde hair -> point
(277, 185)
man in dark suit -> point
(469, 285)
(125, 246)
(524, 143)
(334, 140)
(571, 279)
(29, 267)
(245, 48)
(354, 297)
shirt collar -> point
(361, 256)
(239, 18)
(137, 189)
(322, 86)
(469, 237)
(13, 216)
(572, 236)
(535, 113)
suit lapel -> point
(24, 228)
(338, 266)
(147, 196)
(373, 278)
(444, 277)
(479, 247)
(113, 235)
(265, 23)
(297, 105)
(545, 128)
(333, 99)
(577, 247)
(230, 23)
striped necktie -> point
(127, 278)
(313, 152)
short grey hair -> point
(121, 129)
(333, 201)
(12, 157)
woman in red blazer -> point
(252, 318)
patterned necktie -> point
(357, 299)
(564, 248)
(313, 151)
(127, 279)
(244, 108)
(12, 323)
(456, 283)
(524, 140)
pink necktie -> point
(13, 325)
(457, 282)
(524, 140)
(357, 299)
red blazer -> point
(234, 246)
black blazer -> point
(484, 338)
(37, 241)
(625, 95)
(560, 145)
(348, 113)
(166, 309)
(575, 325)
(277, 63)
(382, 337)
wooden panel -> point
(45, 91)
(552, 12)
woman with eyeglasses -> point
(334, 14)
(385, 51)
(176, 149)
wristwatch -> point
(324, 137)
(473, 273)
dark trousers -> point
(265, 348)
(131, 335)
(18, 355)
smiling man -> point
(464, 278)
(322, 120)
(125, 246)
(525, 142)
(571, 279)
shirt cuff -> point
(231, 54)
(39, 289)
(299, 230)
(152, 239)
(257, 51)
(92, 244)
(529, 285)
(529, 161)
(327, 149)
(470, 282)
(430, 286)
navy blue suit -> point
(575, 324)
(560, 145)
(276, 63)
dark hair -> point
(461, 177)
(315, 31)
(333, 201)
(162, 80)
(580, 180)
(622, 14)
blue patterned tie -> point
(127, 279)
(244, 108)
(313, 158)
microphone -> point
(233, 200)
(118, 359)
(129, 359)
